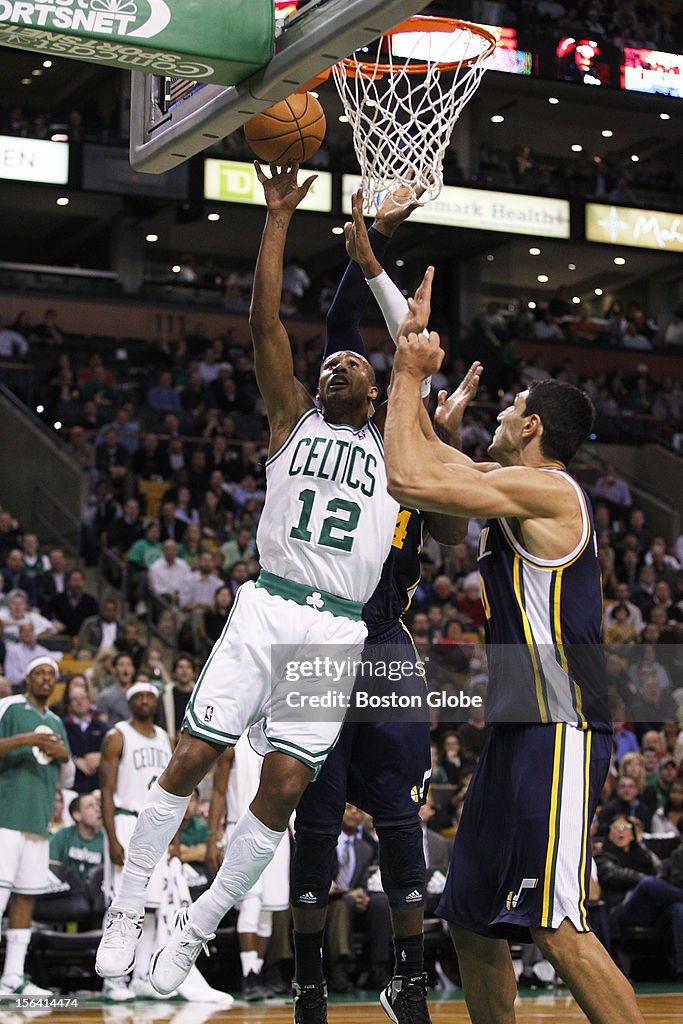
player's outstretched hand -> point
(418, 355)
(282, 190)
(450, 409)
(357, 242)
(419, 307)
(395, 208)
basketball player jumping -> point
(325, 532)
(522, 853)
(382, 767)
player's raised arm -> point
(286, 399)
(419, 478)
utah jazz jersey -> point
(328, 521)
(543, 620)
(400, 574)
(142, 761)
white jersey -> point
(142, 761)
(328, 521)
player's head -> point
(552, 416)
(142, 700)
(346, 386)
(41, 677)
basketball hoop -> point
(403, 101)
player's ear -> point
(532, 427)
(373, 392)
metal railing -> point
(54, 523)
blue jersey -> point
(400, 575)
(543, 620)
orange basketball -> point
(290, 130)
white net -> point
(402, 103)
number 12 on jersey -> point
(337, 530)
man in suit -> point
(437, 852)
(103, 630)
(16, 577)
(352, 906)
(74, 606)
(52, 582)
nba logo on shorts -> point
(208, 714)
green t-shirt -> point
(195, 832)
(69, 847)
(27, 787)
(144, 553)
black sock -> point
(409, 955)
(308, 958)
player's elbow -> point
(401, 487)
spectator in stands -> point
(10, 534)
(13, 345)
(80, 846)
(21, 653)
(125, 529)
(75, 605)
(665, 566)
(193, 833)
(215, 618)
(130, 643)
(627, 803)
(610, 487)
(34, 563)
(668, 820)
(208, 367)
(163, 397)
(127, 432)
(102, 630)
(85, 731)
(112, 705)
(351, 903)
(16, 612)
(241, 548)
(53, 580)
(620, 630)
(149, 460)
(198, 589)
(294, 278)
(212, 516)
(101, 511)
(625, 741)
(656, 796)
(547, 329)
(113, 461)
(15, 576)
(166, 575)
(100, 389)
(48, 332)
(622, 595)
(450, 760)
(170, 527)
(176, 694)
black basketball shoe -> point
(404, 1000)
(310, 1003)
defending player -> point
(521, 860)
(382, 767)
(325, 531)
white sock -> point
(146, 947)
(259, 965)
(249, 961)
(17, 940)
(252, 847)
(156, 826)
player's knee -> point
(313, 867)
(191, 760)
(283, 780)
(402, 863)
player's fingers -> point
(259, 172)
(307, 184)
(441, 398)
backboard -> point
(173, 119)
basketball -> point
(290, 130)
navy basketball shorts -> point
(522, 851)
(381, 767)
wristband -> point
(426, 387)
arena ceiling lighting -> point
(213, 217)
(576, 148)
(151, 238)
(497, 119)
(665, 117)
(554, 100)
(619, 260)
(534, 251)
(635, 157)
(576, 299)
(598, 291)
(571, 266)
(337, 230)
(532, 305)
(63, 201)
(542, 278)
(47, 63)
(606, 133)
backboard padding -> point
(313, 42)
